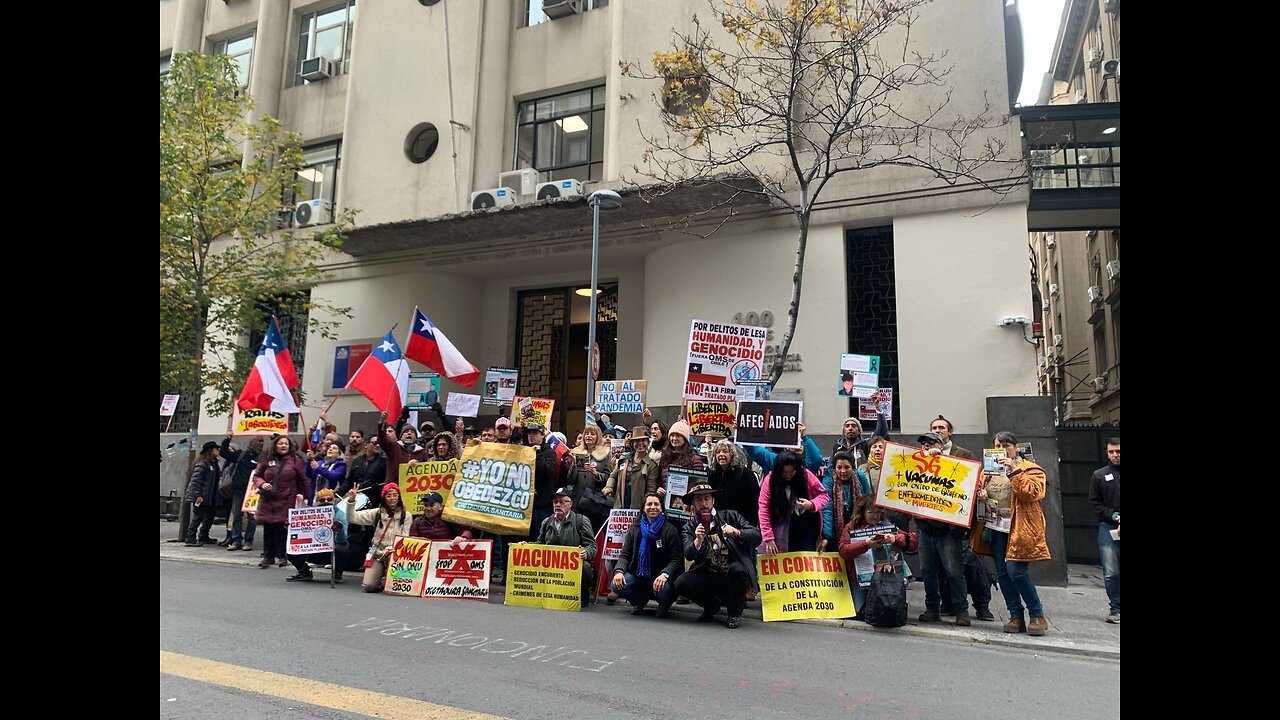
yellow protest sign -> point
(407, 567)
(933, 487)
(419, 478)
(525, 410)
(545, 576)
(494, 489)
(250, 503)
(803, 585)
(259, 422)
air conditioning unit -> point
(1095, 294)
(1044, 303)
(1111, 68)
(493, 197)
(1053, 289)
(312, 212)
(1111, 6)
(1099, 384)
(524, 181)
(1057, 341)
(559, 189)
(1082, 95)
(556, 9)
(1050, 241)
(1113, 270)
(1095, 57)
(318, 68)
(1090, 234)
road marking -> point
(322, 694)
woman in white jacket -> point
(388, 520)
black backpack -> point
(886, 599)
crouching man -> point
(719, 544)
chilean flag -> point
(271, 377)
(430, 347)
(383, 377)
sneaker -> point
(247, 547)
(1037, 626)
(1114, 618)
(300, 577)
(664, 610)
(733, 622)
(337, 578)
(984, 614)
(233, 547)
(962, 619)
(1015, 625)
(497, 576)
(930, 616)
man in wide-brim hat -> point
(719, 544)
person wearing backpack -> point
(869, 542)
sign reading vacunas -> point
(720, 356)
(933, 487)
(544, 576)
(621, 396)
(771, 424)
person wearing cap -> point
(201, 489)
(846, 384)
(636, 474)
(570, 529)
(280, 477)
(503, 432)
(302, 563)
(550, 472)
(942, 553)
(431, 525)
(851, 439)
(389, 519)
(718, 544)
(399, 453)
(651, 560)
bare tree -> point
(779, 97)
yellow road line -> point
(311, 692)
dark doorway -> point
(553, 365)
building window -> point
(1100, 349)
(533, 14)
(319, 174)
(326, 33)
(562, 136)
(240, 49)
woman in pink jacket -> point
(791, 502)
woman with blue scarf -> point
(652, 557)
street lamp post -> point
(598, 200)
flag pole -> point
(302, 421)
(394, 386)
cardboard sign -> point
(769, 424)
(719, 356)
(615, 532)
(419, 478)
(250, 503)
(462, 405)
(716, 418)
(494, 489)
(799, 585)
(500, 385)
(310, 530)
(259, 422)
(867, 409)
(753, 390)
(407, 566)
(859, 375)
(679, 480)
(621, 396)
(544, 576)
(169, 405)
(525, 410)
(933, 487)
(424, 390)
(458, 573)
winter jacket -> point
(695, 462)
(1026, 536)
(328, 473)
(288, 477)
(603, 458)
(903, 541)
(1104, 493)
(371, 475)
(437, 530)
(764, 457)
(667, 555)
(575, 531)
(817, 494)
(549, 474)
(454, 451)
(639, 480)
(829, 524)
(740, 548)
(241, 466)
(204, 482)
(858, 448)
(739, 489)
(397, 455)
(385, 527)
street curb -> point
(948, 635)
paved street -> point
(525, 663)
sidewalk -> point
(1076, 612)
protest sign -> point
(310, 530)
(525, 410)
(424, 390)
(933, 487)
(770, 424)
(798, 585)
(500, 385)
(462, 405)
(753, 390)
(544, 576)
(617, 448)
(419, 478)
(867, 409)
(859, 375)
(990, 465)
(716, 418)
(679, 480)
(259, 422)
(494, 489)
(169, 405)
(615, 531)
(250, 503)
(721, 355)
(459, 573)
(407, 566)
(621, 396)
(997, 509)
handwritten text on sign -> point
(934, 487)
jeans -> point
(1014, 579)
(637, 591)
(943, 552)
(1110, 551)
(244, 537)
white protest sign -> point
(310, 530)
(462, 405)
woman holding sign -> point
(790, 507)
(280, 476)
(870, 540)
(1024, 543)
(678, 453)
(389, 520)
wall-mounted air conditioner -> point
(1053, 289)
(1099, 384)
(524, 181)
(559, 189)
(1095, 57)
(1081, 95)
(1095, 294)
(493, 197)
(1113, 270)
(1044, 303)
(318, 68)
(1050, 241)
(312, 212)
(556, 9)
(1111, 68)
(1057, 341)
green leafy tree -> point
(224, 258)
(777, 98)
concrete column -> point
(495, 102)
(268, 58)
(188, 36)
